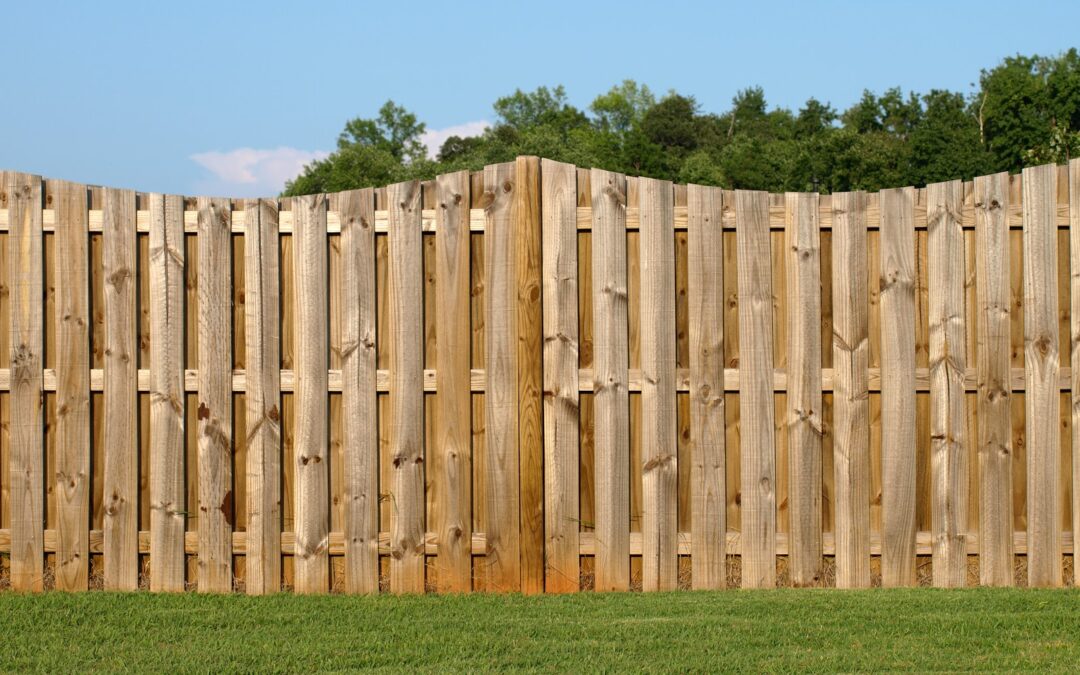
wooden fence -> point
(540, 378)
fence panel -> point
(539, 378)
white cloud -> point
(434, 138)
(250, 172)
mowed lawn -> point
(780, 630)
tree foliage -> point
(1025, 110)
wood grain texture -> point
(996, 563)
(1074, 315)
(358, 397)
(705, 290)
(530, 366)
(121, 524)
(948, 413)
(215, 410)
(756, 407)
(26, 473)
(611, 408)
(503, 564)
(1041, 363)
(311, 431)
(451, 458)
(898, 459)
(406, 423)
(851, 444)
(72, 426)
(659, 456)
(167, 500)
(561, 413)
(804, 421)
(262, 361)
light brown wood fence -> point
(540, 378)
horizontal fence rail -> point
(539, 378)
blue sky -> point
(231, 97)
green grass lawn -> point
(776, 630)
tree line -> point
(1024, 111)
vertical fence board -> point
(503, 564)
(215, 413)
(898, 386)
(72, 477)
(262, 361)
(26, 455)
(451, 458)
(529, 329)
(356, 210)
(1074, 315)
(167, 499)
(948, 414)
(756, 407)
(659, 458)
(611, 407)
(705, 290)
(804, 422)
(851, 445)
(311, 432)
(560, 370)
(121, 524)
(405, 298)
(994, 395)
(1041, 362)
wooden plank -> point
(451, 458)
(804, 406)
(72, 477)
(406, 424)
(262, 355)
(121, 524)
(529, 328)
(26, 484)
(1074, 315)
(659, 468)
(948, 442)
(358, 398)
(503, 564)
(996, 565)
(311, 434)
(851, 444)
(898, 459)
(215, 413)
(1041, 361)
(705, 290)
(167, 499)
(611, 412)
(561, 395)
(756, 407)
